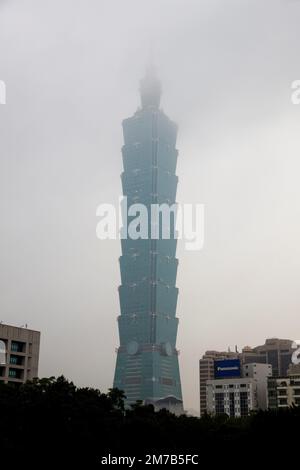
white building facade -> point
(237, 397)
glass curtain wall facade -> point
(147, 366)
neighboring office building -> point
(207, 372)
(234, 397)
(260, 373)
(237, 396)
(19, 354)
(276, 352)
(284, 392)
(147, 366)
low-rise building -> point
(234, 397)
(19, 354)
(276, 352)
(284, 392)
(260, 373)
(207, 372)
(238, 396)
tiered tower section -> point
(147, 360)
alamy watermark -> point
(295, 96)
(2, 92)
(155, 221)
(296, 353)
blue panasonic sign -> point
(227, 368)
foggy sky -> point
(72, 71)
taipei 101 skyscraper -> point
(147, 366)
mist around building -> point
(244, 395)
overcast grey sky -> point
(72, 70)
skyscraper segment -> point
(147, 366)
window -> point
(17, 360)
(244, 403)
(272, 358)
(282, 401)
(285, 361)
(15, 373)
(133, 380)
(2, 352)
(231, 404)
(295, 382)
(219, 403)
(17, 346)
(166, 381)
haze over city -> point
(72, 71)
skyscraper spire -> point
(150, 88)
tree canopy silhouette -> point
(52, 418)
